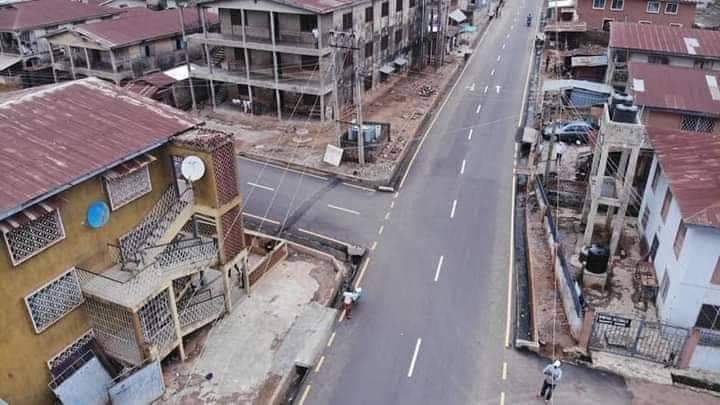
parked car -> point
(571, 132)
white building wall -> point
(706, 358)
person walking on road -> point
(552, 375)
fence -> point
(653, 341)
(568, 287)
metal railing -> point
(202, 309)
(709, 337)
(69, 370)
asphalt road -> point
(432, 325)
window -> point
(369, 49)
(70, 354)
(664, 285)
(654, 248)
(666, 204)
(179, 44)
(369, 14)
(384, 42)
(307, 22)
(412, 4)
(398, 36)
(658, 59)
(32, 237)
(236, 17)
(125, 188)
(679, 238)
(606, 24)
(656, 178)
(617, 5)
(715, 279)
(599, 4)
(676, 25)
(697, 123)
(51, 302)
(653, 7)
(385, 9)
(308, 62)
(671, 8)
(347, 22)
(645, 217)
(709, 317)
(398, 5)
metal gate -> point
(651, 341)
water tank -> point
(619, 99)
(597, 257)
(626, 113)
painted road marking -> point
(387, 216)
(439, 267)
(498, 58)
(497, 89)
(342, 316)
(259, 163)
(471, 131)
(397, 193)
(486, 89)
(507, 36)
(503, 46)
(452, 211)
(504, 371)
(362, 273)
(502, 398)
(492, 72)
(331, 340)
(374, 245)
(369, 190)
(319, 235)
(392, 204)
(320, 363)
(272, 221)
(512, 27)
(477, 111)
(462, 168)
(349, 211)
(304, 395)
(471, 87)
(260, 186)
(382, 228)
(414, 358)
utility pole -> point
(358, 102)
(443, 21)
(336, 102)
(350, 41)
(423, 27)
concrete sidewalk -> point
(251, 353)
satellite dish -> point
(192, 168)
(98, 214)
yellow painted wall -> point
(24, 374)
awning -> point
(457, 16)
(30, 214)
(132, 165)
(468, 28)
(8, 60)
(387, 69)
(561, 3)
(599, 60)
(400, 61)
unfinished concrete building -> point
(277, 57)
(611, 178)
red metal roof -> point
(53, 136)
(665, 39)
(139, 24)
(687, 91)
(149, 85)
(39, 13)
(691, 162)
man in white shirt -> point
(349, 297)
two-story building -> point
(278, 55)
(134, 43)
(662, 45)
(599, 14)
(680, 223)
(23, 27)
(110, 250)
(690, 101)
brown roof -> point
(316, 6)
(150, 84)
(687, 91)
(55, 136)
(691, 162)
(39, 13)
(665, 39)
(139, 24)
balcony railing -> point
(709, 337)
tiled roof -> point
(40, 13)
(54, 136)
(691, 162)
(689, 90)
(140, 24)
(665, 39)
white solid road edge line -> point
(260, 186)
(369, 190)
(304, 395)
(272, 221)
(349, 211)
(319, 235)
(439, 267)
(437, 113)
(414, 357)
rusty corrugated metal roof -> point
(691, 162)
(57, 135)
(658, 38)
(40, 13)
(687, 91)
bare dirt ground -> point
(302, 141)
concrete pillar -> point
(68, 51)
(114, 66)
(87, 59)
(176, 319)
(592, 173)
(247, 57)
(52, 63)
(622, 166)
(201, 10)
(275, 66)
(688, 349)
(625, 200)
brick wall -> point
(633, 11)
(225, 173)
(232, 228)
